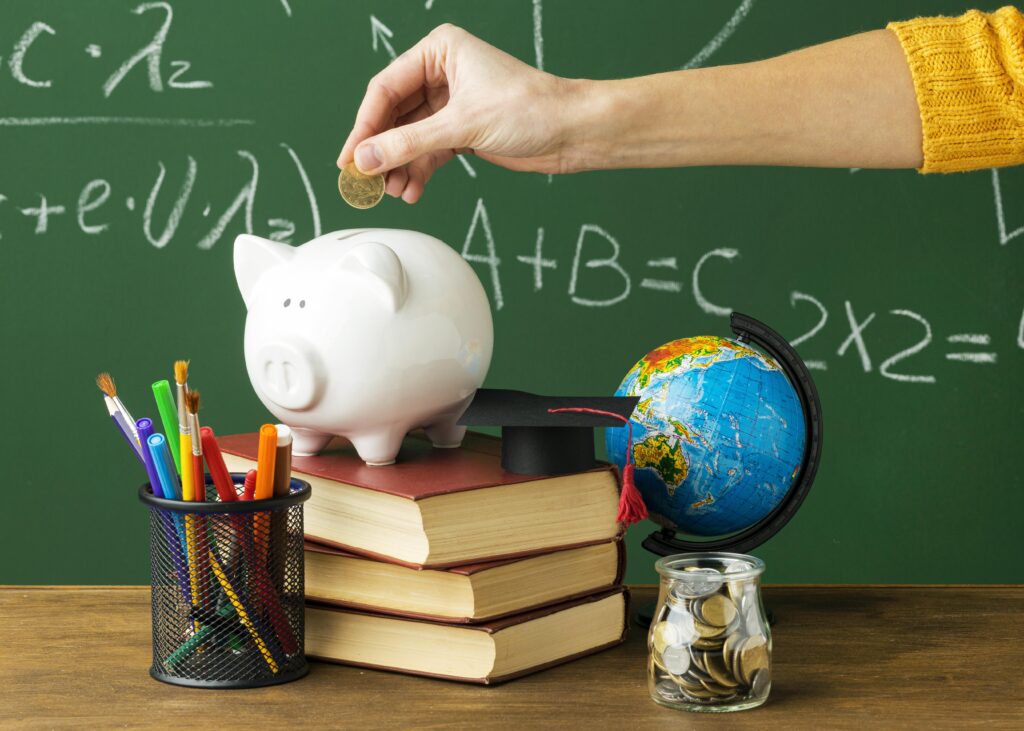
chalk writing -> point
(795, 297)
(886, 368)
(611, 262)
(721, 36)
(856, 337)
(151, 53)
(380, 33)
(538, 262)
(17, 59)
(698, 296)
(491, 260)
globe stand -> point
(667, 542)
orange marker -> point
(265, 459)
(264, 488)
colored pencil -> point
(106, 383)
(243, 613)
(186, 647)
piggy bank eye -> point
(302, 303)
(287, 302)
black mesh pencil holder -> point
(228, 589)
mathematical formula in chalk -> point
(218, 197)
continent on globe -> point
(718, 434)
(664, 455)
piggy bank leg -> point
(308, 442)
(379, 448)
(446, 434)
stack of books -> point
(446, 565)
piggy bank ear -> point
(380, 266)
(254, 257)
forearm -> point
(848, 103)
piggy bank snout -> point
(289, 373)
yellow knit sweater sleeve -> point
(969, 77)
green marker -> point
(169, 417)
(185, 648)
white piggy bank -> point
(364, 333)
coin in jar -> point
(676, 660)
(760, 684)
(697, 582)
(752, 656)
(716, 610)
(729, 647)
(664, 635)
(358, 189)
(669, 691)
(715, 667)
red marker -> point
(250, 485)
(218, 470)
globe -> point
(718, 435)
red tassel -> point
(631, 503)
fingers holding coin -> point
(358, 189)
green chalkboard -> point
(121, 193)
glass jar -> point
(709, 645)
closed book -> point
(444, 507)
(477, 653)
(470, 593)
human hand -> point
(453, 93)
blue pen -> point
(164, 465)
(167, 477)
(145, 428)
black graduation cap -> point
(535, 441)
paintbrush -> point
(188, 488)
(200, 526)
(192, 402)
(181, 379)
(118, 413)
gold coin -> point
(701, 693)
(663, 636)
(716, 690)
(686, 681)
(712, 644)
(753, 656)
(707, 632)
(729, 651)
(717, 610)
(715, 666)
(359, 190)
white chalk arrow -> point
(381, 34)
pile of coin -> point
(358, 189)
(709, 642)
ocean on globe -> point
(718, 435)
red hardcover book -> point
(469, 594)
(482, 653)
(444, 507)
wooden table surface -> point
(859, 657)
